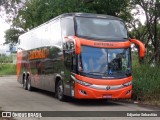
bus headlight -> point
(83, 83)
(80, 82)
(127, 84)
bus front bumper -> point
(86, 92)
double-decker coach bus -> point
(82, 55)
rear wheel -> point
(25, 83)
(29, 87)
(60, 91)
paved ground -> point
(14, 98)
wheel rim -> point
(24, 84)
(29, 85)
(60, 91)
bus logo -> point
(108, 87)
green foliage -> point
(5, 59)
(8, 4)
(37, 12)
(146, 83)
(143, 34)
(10, 7)
(149, 32)
(7, 69)
(11, 36)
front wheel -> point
(60, 91)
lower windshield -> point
(105, 62)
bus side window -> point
(68, 59)
(74, 63)
(67, 25)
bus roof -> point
(89, 15)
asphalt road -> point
(14, 98)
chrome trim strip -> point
(115, 87)
(103, 87)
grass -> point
(7, 69)
(146, 84)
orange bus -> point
(81, 55)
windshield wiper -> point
(128, 73)
(95, 73)
(126, 38)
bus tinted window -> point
(67, 27)
(26, 43)
(55, 34)
(100, 28)
(44, 34)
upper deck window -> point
(100, 28)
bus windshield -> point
(100, 28)
(111, 63)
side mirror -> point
(142, 48)
(69, 44)
(72, 44)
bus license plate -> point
(107, 96)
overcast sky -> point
(3, 27)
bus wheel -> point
(25, 83)
(29, 87)
(60, 91)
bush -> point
(146, 83)
(7, 69)
(6, 59)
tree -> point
(11, 36)
(9, 8)
(37, 12)
(148, 33)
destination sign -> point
(102, 44)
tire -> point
(25, 83)
(60, 91)
(29, 87)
